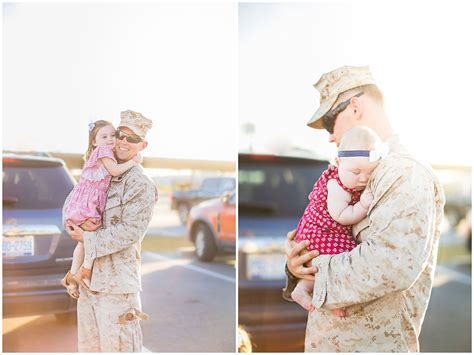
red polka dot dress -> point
(325, 234)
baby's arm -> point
(116, 169)
(340, 209)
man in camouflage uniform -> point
(385, 282)
(109, 312)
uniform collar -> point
(121, 177)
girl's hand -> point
(138, 158)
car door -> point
(226, 220)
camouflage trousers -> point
(109, 322)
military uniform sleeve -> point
(397, 247)
(137, 210)
(291, 282)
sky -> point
(65, 65)
(420, 53)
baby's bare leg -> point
(302, 294)
(77, 258)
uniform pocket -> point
(130, 338)
(112, 202)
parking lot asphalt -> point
(191, 307)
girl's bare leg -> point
(77, 258)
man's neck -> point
(380, 124)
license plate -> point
(18, 246)
(266, 266)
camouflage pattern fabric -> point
(108, 314)
(385, 282)
(116, 248)
(109, 322)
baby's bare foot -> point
(340, 312)
(303, 298)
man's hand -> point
(75, 232)
(296, 259)
(91, 225)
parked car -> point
(36, 251)
(213, 187)
(273, 193)
(211, 227)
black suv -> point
(273, 193)
(37, 252)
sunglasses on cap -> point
(329, 119)
(131, 138)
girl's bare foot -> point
(71, 286)
(83, 277)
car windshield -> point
(35, 187)
(278, 189)
(217, 184)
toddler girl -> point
(336, 202)
(88, 197)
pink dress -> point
(325, 234)
(90, 193)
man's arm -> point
(137, 210)
(395, 254)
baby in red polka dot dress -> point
(337, 202)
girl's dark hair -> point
(92, 133)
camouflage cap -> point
(138, 123)
(334, 83)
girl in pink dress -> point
(336, 203)
(87, 199)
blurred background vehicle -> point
(273, 193)
(36, 250)
(211, 227)
(211, 187)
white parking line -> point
(146, 350)
(177, 262)
(453, 275)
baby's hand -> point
(366, 199)
(138, 158)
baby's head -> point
(355, 165)
(100, 133)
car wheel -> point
(205, 246)
(183, 212)
(66, 318)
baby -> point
(336, 202)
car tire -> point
(183, 212)
(66, 318)
(206, 248)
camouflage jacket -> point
(385, 282)
(116, 247)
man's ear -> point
(357, 108)
(143, 145)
